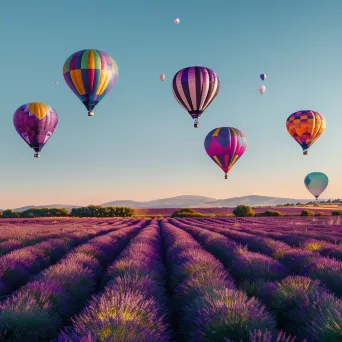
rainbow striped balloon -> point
(90, 74)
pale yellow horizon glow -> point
(98, 194)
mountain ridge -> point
(186, 201)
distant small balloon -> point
(56, 82)
(263, 77)
(162, 77)
(262, 89)
(176, 21)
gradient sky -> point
(141, 144)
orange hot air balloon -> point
(305, 126)
(162, 77)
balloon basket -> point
(196, 125)
(305, 153)
(90, 113)
(37, 155)
(225, 176)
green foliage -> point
(271, 213)
(185, 212)
(44, 212)
(9, 213)
(307, 213)
(320, 214)
(90, 211)
(243, 211)
(336, 213)
(98, 211)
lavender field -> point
(207, 279)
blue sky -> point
(141, 143)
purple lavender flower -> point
(224, 313)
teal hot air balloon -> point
(316, 183)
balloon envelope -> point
(35, 122)
(195, 88)
(90, 74)
(176, 20)
(316, 183)
(162, 77)
(263, 77)
(305, 126)
(225, 145)
(262, 89)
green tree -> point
(186, 212)
(271, 213)
(307, 213)
(9, 213)
(243, 211)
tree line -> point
(89, 211)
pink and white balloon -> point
(262, 89)
(176, 21)
(162, 77)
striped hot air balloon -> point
(90, 74)
(195, 88)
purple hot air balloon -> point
(35, 122)
(225, 145)
(195, 88)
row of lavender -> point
(133, 305)
(320, 228)
(303, 306)
(18, 266)
(304, 261)
(327, 243)
(204, 303)
(165, 268)
(23, 235)
(36, 311)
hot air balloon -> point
(262, 89)
(316, 183)
(195, 88)
(56, 82)
(90, 74)
(35, 122)
(305, 126)
(162, 77)
(176, 21)
(263, 77)
(225, 145)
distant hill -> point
(186, 201)
(172, 202)
(206, 202)
(66, 206)
(254, 200)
